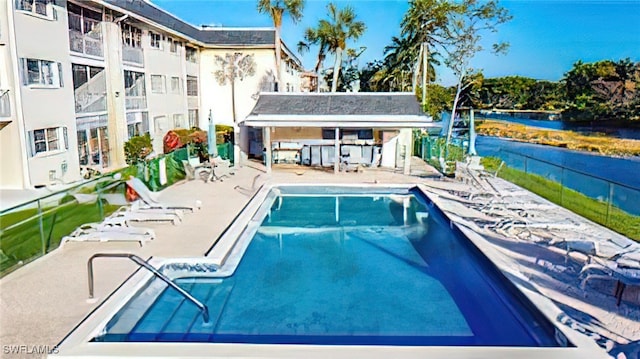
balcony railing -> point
(135, 102)
(90, 43)
(5, 104)
(92, 95)
(192, 102)
(132, 55)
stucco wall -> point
(217, 97)
(293, 133)
(13, 158)
(163, 62)
(45, 39)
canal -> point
(594, 175)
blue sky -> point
(546, 36)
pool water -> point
(349, 269)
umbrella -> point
(211, 137)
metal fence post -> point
(609, 203)
(100, 208)
(562, 186)
(41, 225)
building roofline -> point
(232, 28)
(197, 30)
(148, 21)
(291, 54)
(338, 93)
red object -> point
(171, 141)
(130, 194)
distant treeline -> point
(603, 90)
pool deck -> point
(43, 301)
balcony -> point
(134, 94)
(135, 102)
(89, 44)
(92, 95)
(132, 55)
(193, 102)
(85, 36)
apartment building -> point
(108, 70)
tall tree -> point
(277, 9)
(231, 67)
(468, 22)
(349, 74)
(341, 27)
(422, 26)
(313, 36)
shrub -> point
(137, 149)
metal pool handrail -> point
(141, 262)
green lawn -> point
(24, 242)
(593, 209)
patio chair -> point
(220, 168)
(150, 199)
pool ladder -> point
(144, 264)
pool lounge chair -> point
(89, 233)
(623, 276)
(150, 199)
(114, 224)
(130, 214)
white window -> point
(192, 86)
(41, 73)
(48, 139)
(178, 121)
(174, 46)
(38, 7)
(193, 118)
(156, 40)
(131, 36)
(157, 84)
(191, 54)
(175, 85)
(161, 125)
(137, 123)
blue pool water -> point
(355, 269)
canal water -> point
(593, 175)
(617, 132)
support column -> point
(117, 122)
(266, 141)
(472, 134)
(407, 137)
(336, 164)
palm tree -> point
(423, 26)
(276, 9)
(312, 36)
(231, 67)
(335, 32)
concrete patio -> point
(44, 300)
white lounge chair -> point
(623, 276)
(94, 234)
(130, 214)
(115, 224)
(151, 201)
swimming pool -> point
(353, 267)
